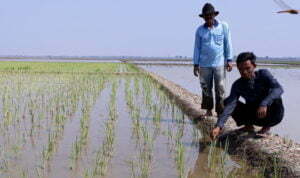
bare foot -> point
(264, 130)
(247, 128)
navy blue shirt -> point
(259, 91)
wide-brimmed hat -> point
(208, 9)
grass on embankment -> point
(65, 67)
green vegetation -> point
(105, 153)
(60, 67)
(46, 126)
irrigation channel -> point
(90, 120)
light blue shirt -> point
(213, 45)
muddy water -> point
(288, 77)
(122, 127)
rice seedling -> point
(133, 109)
(61, 67)
(277, 170)
(141, 166)
(105, 152)
(81, 141)
(42, 106)
(39, 103)
(179, 150)
(24, 174)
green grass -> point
(61, 67)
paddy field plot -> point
(98, 120)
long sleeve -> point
(230, 105)
(228, 53)
(196, 57)
(275, 88)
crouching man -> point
(262, 94)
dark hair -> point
(242, 57)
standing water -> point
(89, 124)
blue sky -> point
(141, 27)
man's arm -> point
(231, 103)
(275, 90)
(196, 53)
(228, 54)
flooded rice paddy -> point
(100, 125)
(288, 77)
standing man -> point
(212, 51)
(262, 94)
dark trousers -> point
(246, 114)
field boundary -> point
(275, 153)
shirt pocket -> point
(218, 38)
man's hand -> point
(229, 66)
(262, 112)
(215, 132)
(196, 71)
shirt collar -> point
(216, 23)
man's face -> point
(209, 19)
(246, 69)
